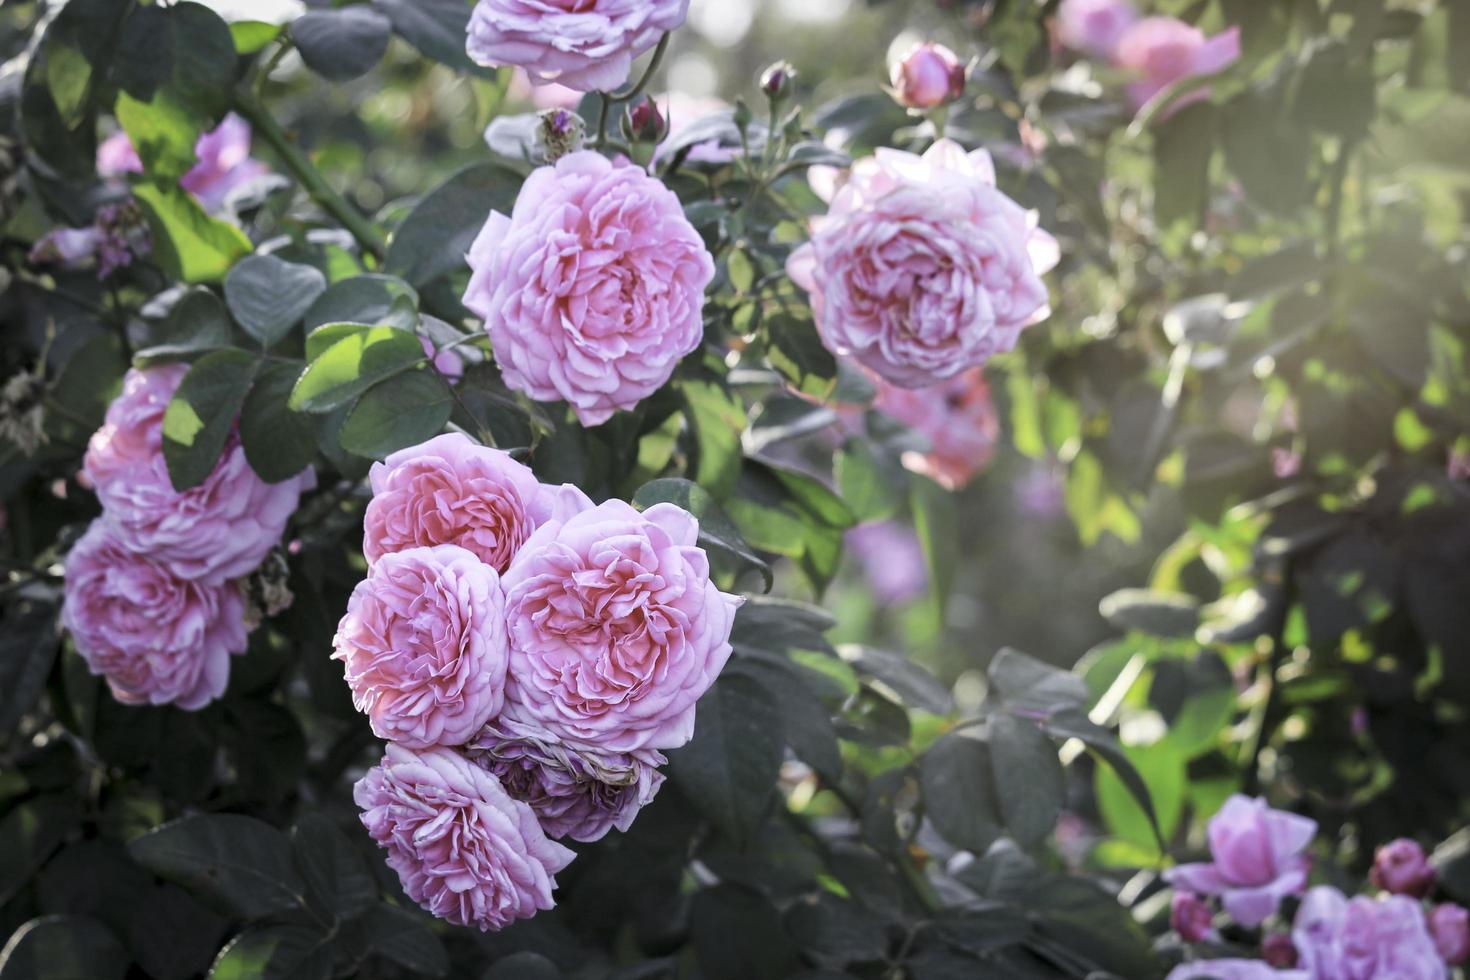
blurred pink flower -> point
(1402, 868)
(70, 248)
(1233, 970)
(928, 76)
(955, 416)
(1160, 51)
(1339, 939)
(545, 96)
(1094, 27)
(223, 162)
(1191, 917)
(892, 559)
(1449, 924)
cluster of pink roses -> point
(1257, 860)
(528, 655)
(1156, 51)
(153, 600)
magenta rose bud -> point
(423, 646)
(956, 417)
(463, 849)
(1257, 859)
(451, 490)
(586, 45)
(1191, 917)
(1094, 27)
(576, 793)
(1389, 937)
(155, 638)
(777, 79)
(1278, 950)
(221, 529)
(615, 628)
(921, 268)
(1160, 51)
(592, 290)
(927, 77)
(1401, 867)
(645, 122)
(1449, 925)
(1232, 970)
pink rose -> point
(1163, 50)
(1094, 26)
(69, 248)
(892, 560)
(219, 530)
(223, 162)
(928, 76)
(592, 290)
(1233, 970)
(582, 44)
(156, 638)
(1400, 867)
(1257, 859)
(1449, 924)
(922, 268)
(447, 362)
(1191, 917)
(1363, 939)
(451, 490)
(957, 418)
(463, 849)
(615, 628)
(576, 793)
(423, 646)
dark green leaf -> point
(1164, 614)
(31, 832)
(341, 43)
(737, 935)
(716, 531)
(1028, 779)
(959, 791)
(912, 684)
(196, 324)
(1026, 684)
(63, 947)
(354, 364)
(1072, 723)
(982, 928)
(404, 938)
(239, 862)
(405, 410)
(336, 874)
(436, 27)
(836, 928)
(375, 300)
(869, 487)
(268, 296)
(27, 651)
(433, 239)
(523, 966)
(1183, 146)
(805, 721)
(202, 414)
(278, 442)
(275, 952)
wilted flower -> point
(559, 132)
(23, 411)
(123, 236)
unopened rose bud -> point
(645, 123)
(1279, 951)
(776, 81)
(1190, 916)
(560, 132)
(1400, 867)
(1449, 924)
(927, 77)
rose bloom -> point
(450, 490)
(922, 268)
(957, 418)
(223, 162)
(928, 76)
(423, 646)
(463, 849)
(1094, 26)
(1401, 867)
(1163, 50)
(615, 628)
(1233, 970)
(156, 638)
(1449, 924)
(592, 290)
(1257, 859)
(219, 530)
(585, 45)
(576, 793)
(1364, 939)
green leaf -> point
(337, 877)
(341, 43)
(1161, 767)
(354, 364)
(275, 952)
(27, 650)
(730, 766)
(524, 965)
(403, 411)
(197, 323)
(187, 243)
(436, 28)
(1164, 614)
(1072, 723)
(253, 35)
(1026, 684)
(403, 936)
(433, 239)
(737, 935)
(716, 531)
(63, 947)
(31, 832)
(279, 443)
(869, 487)
(1183, 147)
(797, 352)
(1028, 779)
(959, 791)
(716, 418)
(268, 296)
(202, 414)
(239, 862)
(805, 721)
(375, 300)
(835, 928)
(909, 681)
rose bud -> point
(777, 79)
(1190, 916)
(1279, 951)
(1449, 924)
(1400, 867)
(645, 124)
(928, 76)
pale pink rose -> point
(219, 530)
(922, 268)
(69, 248)
(223, 162)
(582, 44)
(579, 793)
(1401, 867)
(928, 76)
(592, 290)
(423, 646)
(451, 490)
(544, 96)
(447, 362)
(1233, 970)
(1364, 939)
(1163, 50)
(956, 417)
(1449, 924)
(463, 849)
(615, 628)
(1094, 26)
(156, 638)
(1257, 859)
